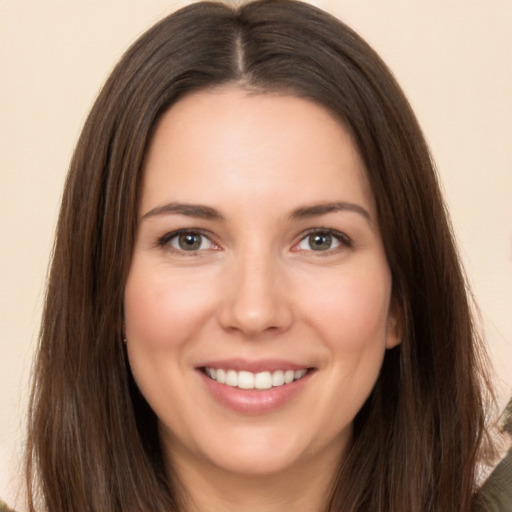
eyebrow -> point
(316, 210)
(190, 210)
(207, 212)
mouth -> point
(247, 380)
(254, 387)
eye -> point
(187, 241)
(322, 241)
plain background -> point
(453, 58)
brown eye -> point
(189, 241)
(323, 241)
(320, 241)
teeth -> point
(277, 378)
(246, 380)
(232, 378)
(289, 376)
(249, 380)
(300, 373)
(220, 377)
(263, 380)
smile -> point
(249, 380)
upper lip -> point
(254, 366)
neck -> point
(304, 487)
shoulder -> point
(495, 495)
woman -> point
(254, 288)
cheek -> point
(352, 310)
(164, 311)
(163, 308)
(351, 316)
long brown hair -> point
(93, 441)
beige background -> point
(452, 57)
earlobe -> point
(395, 327)
(122, 329)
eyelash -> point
(343, 240)
(165, 240)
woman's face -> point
(258, 303)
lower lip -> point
(252, 401)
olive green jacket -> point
(4, 507)
(495, 495)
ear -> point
(121, 326)
(395, 327)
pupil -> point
(320, 242)
(189, 242)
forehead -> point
(272, 145)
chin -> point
(262, 452)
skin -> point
(255, 289)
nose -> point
(256, 299)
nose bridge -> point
(256, 300)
